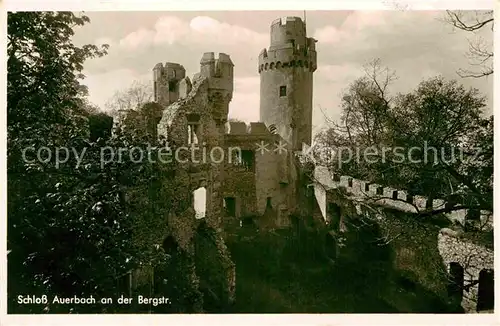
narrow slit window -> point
(193, 129)
(230, 206)
(282, 91)
(172, 85)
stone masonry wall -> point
(390, 197)
(198, 109)
(272, 177)
(452, 247)
(473, 259)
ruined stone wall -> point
(472, 257)
(271, 181)
(408, 235)
(239, 181)
(219, 72)
(197, 161)
(215, 269)
(390, 197)
(199, 107)
(166, 82)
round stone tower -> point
(286, 81)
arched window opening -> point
(200, 202)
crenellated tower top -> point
(289, 46)
(219, 72)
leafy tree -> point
(72, 228)
(43, 69)
(441, 119)
(97, 208)
(438, 114)
(101, 126)
(140, 124)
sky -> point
(415, 44)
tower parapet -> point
(219, 72)
(290, 46)
(286, 81)
(166, 82)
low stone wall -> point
(393, 198)
(453, 248)
(473, 259)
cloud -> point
(354, 26)
(103, 86)
(203, 27)
(201, 30)
(183, 41)
(416, 45)
(366, 34)
(138, 39)
(413, 43)
(170, 30)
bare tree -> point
(480, 52)
(131, 98)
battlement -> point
(393, 198)
(288, 29)
(285, 20)
(210, 56)
(241, 128)
(170, 70)
(289, 43)
(288, 56)
(212, 67)
(166, 82)
(274, 65)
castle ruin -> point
(258, 180)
